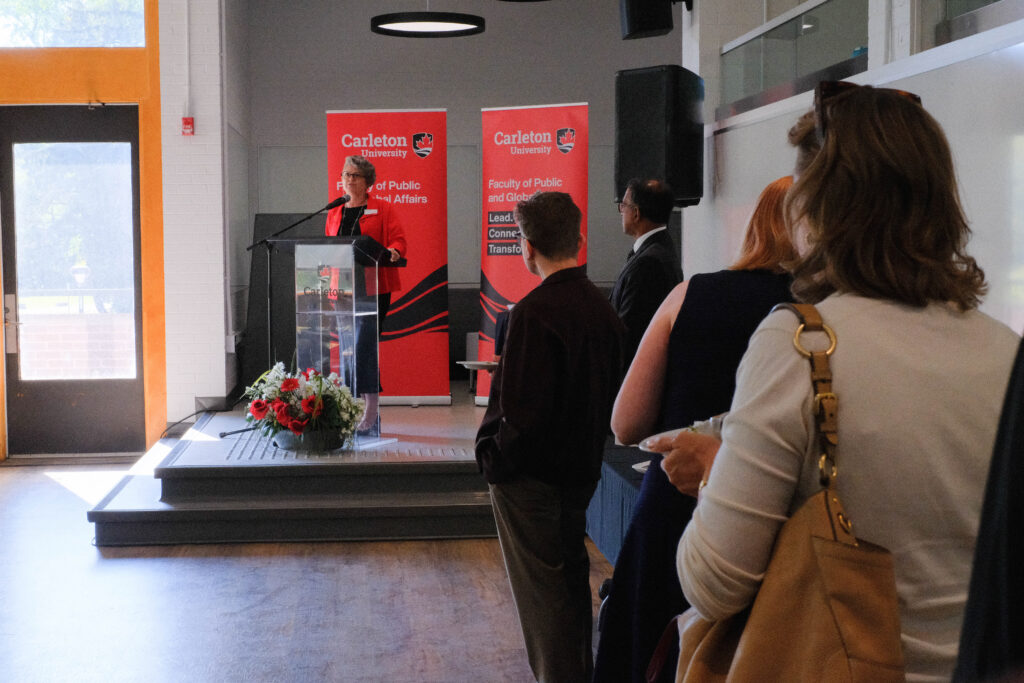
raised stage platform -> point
(419, 481)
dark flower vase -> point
(313, 441)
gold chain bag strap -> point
(827, 609)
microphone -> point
(337, 202)
(266, 240)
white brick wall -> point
(193, 172)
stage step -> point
(132, 515)
(215, 490)
(203, 470)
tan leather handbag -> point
(827, 609)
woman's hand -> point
(688, 458)
(395, 255)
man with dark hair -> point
(652, 268)
(542, 437)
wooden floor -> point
(416, 611)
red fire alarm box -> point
(188, 125)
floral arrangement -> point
(302, 403)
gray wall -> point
(317, 55)
(235, 66)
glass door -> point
(69, 210)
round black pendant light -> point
(427, 24)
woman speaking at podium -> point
(376, 218)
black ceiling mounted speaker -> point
(659, 130)
(645, 18)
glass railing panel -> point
(831, 33)
(958, 19)
(742, 71)
(954, 8)
(822, 40)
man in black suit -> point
(652, 268)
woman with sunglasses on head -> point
(364, 214)
(919, 371)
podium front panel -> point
(336, 326)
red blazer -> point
(379, 221)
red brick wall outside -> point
(77, 346)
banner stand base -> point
(416, 400)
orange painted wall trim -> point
(118, 75)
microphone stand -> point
(266, 240)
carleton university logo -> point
(565, 138)
(423, 144)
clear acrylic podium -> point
(336, 321)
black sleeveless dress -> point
(719, 313)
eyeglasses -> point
(626, 204)
(351, 176)
(827, 91)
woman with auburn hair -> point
(768, 245)
(684, 371)
(919, 372)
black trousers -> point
(367, 379)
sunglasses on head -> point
(826, 91)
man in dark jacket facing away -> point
(542, 437)
(652, 268)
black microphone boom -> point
(333, 205)
(336, 203)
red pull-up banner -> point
(525, 150)
(409, 151)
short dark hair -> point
(365, 167)
(881, 208)
(653, 199)
(551, 222)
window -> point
(75, 260)
(72, 23)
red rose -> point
(312, 406)
(258, 408)
(297, 426)
(289, 384)
(280, 409)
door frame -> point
(85, 402)
(127, 75)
